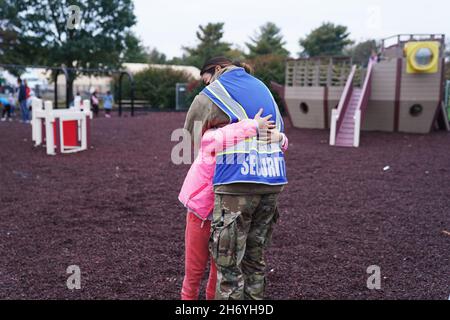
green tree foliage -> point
(210, 45)
(156, 57)
(43, 35)
(135, 50)
(362, 51)
(10, 51)
(269, 68)
(236, 54)
(267, 56)
(178, 60)
(156, 86)
(268, 40)
(327, 40)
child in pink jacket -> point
(197, 195)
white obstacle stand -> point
(56, 126)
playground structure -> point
(447, 97)
(402, 90)
(63, 130)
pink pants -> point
(197, 258)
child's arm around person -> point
(217, 140)
(280, 137)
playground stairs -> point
(346, 133)
(346, 119)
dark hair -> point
(223, 62)
(19, 80)
(210, 64)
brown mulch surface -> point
(113, 211)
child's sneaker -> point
(3, 119)
(10, 120)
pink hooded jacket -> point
(197, 192)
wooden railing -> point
(317, 72)
(398, 40)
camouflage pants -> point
(241, 230)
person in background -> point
(94, 103)
(12, 105)
(29, 94)
(6, 109)
(77, 99)
(374, 57)
(27, 89)
(108, 102)
(22, 97)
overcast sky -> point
(170, 24)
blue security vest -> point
(241, 96)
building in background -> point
(41, 82)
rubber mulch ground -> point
(113, 211)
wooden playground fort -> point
(400, 90)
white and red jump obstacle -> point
(63, 130)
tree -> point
(156, 57)
(362, 51)
(269, 67)
(267, 41)
(137, 53)
(236, 54)
(135, 50)
(211, 45)
(329, 39)
(10, 52)
(48, 33)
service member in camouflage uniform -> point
(242, 229)
(244, 214)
